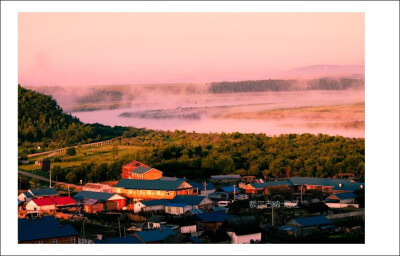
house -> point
(242, 230)
(155, 235)
(119, 240)
(196, 202)
(145, 173)
(97, 187)
(226, 178)
(155, 221)
(343, 198)
(266, 187)
(326, 185)
(109, 200)
(307, 226)
(44, 192)
(45, 230)
(219, 196)
(177, 208)
(187, 223)
(211, 220)
(204, 188)
(130, 167)
(137, 190)
(25, 196)
(150, 205)
(41, 204)
(93, 206)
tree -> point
(71, 151)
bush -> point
(71, 151)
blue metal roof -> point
(347, 195)
(195, 239)
(176, 204)
(219, 208)
(351, 186)
(150, 184)
(318, 181)
(218, 216)
(101, 196)
(155, 234)
(44, 192)
(225, 177)
(200, 186)
(42, 228)
(287, 228)
(155, 202)
(196, 211)
(27, 194)
(190, 200)
(119, 240)
(141, 170)
(313, 221)
(229, 189)
(20, 202)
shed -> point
(211, 220)
(44, 192)
(177, 208)
(311, 225)
(343, 198)
(242, 230)
(196, 202)
(150, 205)
(41, 204)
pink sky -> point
(131, 48)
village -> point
(145, 206)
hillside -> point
(41, 122)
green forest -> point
(286, 85)
(41, 122)
(186, 154)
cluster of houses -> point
(193, 208)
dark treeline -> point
(41, 122)
(197, 156)
(99, 96)
(286, 85)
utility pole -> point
(119, 227)
(68, 191)
(272, 205)
(234, 192)
(205, 188)
(301, 194)
(84, 229)
(50, 177)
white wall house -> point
(177, 208)
(244, 239)
(25, 197)
(40, 205)
(151, 205)
(188, 229)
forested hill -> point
(286, 85)
(42, 122)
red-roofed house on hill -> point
(63, 201)
(126, 169)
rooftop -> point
(101, 196)
(42, 228)
(243, 225)
(218, 216)
(155, 202)
(225, 177)
(141, 170)
(189, 200)
(119, 240)
(313, 221)
(43, 201)
(200, 186)
(155, 234)
(44, 192)
(65, 200)
(150, 184)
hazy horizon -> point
(66, 49)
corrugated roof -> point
(141, 170)
(200, 186)
(351, 186)
(27, 194)
(196, 211)
(150, 184)
(101, 196)
(44, 192)
(227, 177)
(190, 200)
(229, 189)
(155, 202)
(91, 201)
(218, 216)
(287, 228)
(42, 228)
(43, 201)
(312, 221)
(65, 200)
(318, 181)
(155, 234)
(175, 204)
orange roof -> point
(135, 164)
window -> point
(167, 193)
(168, 209)
(178, 210)
(40, 242)
(72, 240)
(54, 241)
(158, 193)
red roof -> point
(43, 201)
(65, 200)
(135, 164)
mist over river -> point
(333, 112)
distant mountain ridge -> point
(316, 71)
